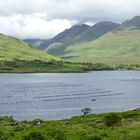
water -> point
(63, 95)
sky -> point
(43, 19)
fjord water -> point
(62, 95)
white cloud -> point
(45, 18)
(25, 26)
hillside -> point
(67, 36)
(109, 126)
(17, 56)
(96, 31)
(12, 48)
(78, 34)
(120, 46)
(132, 23)
(91, 33)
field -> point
(86, 127)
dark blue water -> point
(59, 96)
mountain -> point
(133, 23)
(12, 48)
(91, 33)
(34, 42)
(119, 46)
(80, 33)
(96, 31)
(67, 36)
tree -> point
(86, 111)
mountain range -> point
(104, 42)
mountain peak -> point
(134, 22)
(97, 30)
(78, 28)
(67, 35)
(105, 24)
(80, 25)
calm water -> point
(59, 96)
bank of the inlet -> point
(109, 126)
(37, 66)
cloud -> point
(25, 26)
(45, 18)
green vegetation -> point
(24, 66)
(118, 47)
(20, 66)
(12, 48)
(112, 119)
(124, 126)
(17, 56)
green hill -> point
(12, 48)
(120, 46)
(17, 56)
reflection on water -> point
(59, 96)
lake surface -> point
(63, 95)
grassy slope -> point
(89, 127)
(12, 48)
(121, 47)
(17, 56)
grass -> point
(90, 127)
(121, 47)
(12, 48)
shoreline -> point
(69, 118)
(57, 72)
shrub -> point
(57, 133)
(93, 137)
(86, 110)
(35, 135)
(4, 136)
(112, 119)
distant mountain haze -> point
(35, 42)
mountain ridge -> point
(121, 45)
(66, 36)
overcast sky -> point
(45, 18)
